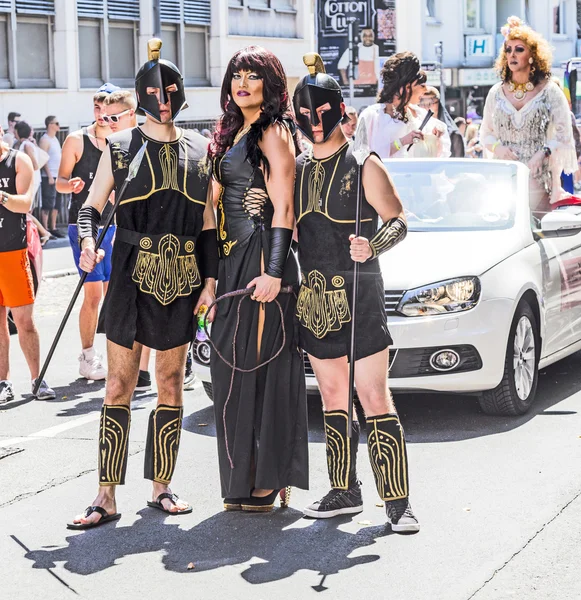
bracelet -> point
(547, 151)
(494, 145)
(4, 199)
(397, 145)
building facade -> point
(470, 32)
(55, 53)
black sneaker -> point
(401, 517)
(6, 391)
(337, 502)
(143, 382)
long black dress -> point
(261, 422)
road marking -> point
(51, 432)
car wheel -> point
(208, 389)
(516, 392)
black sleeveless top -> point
(325, 206)
(243, 205)
(86, 169)
(12, 225)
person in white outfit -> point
(368, 68)
(393, 124)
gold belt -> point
(166, 265)
(321, 310)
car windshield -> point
(456, 195)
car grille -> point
(392, 299)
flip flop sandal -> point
(173, 499)
(105, 518)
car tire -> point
(507, 398)
(208, 389)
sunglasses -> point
(115, 118)
(55, 123)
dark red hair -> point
(275, 106)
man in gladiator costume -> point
(165, 262)
(327, 179)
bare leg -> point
(44, 218)
(89, 313)
(123, 366)
(170, 366)
(28, 337)
(4, 344)
(53, 215)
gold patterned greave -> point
(113, 444)
(163, 440)
(321, 310)
(166, 275)
(338, 449)
(388, 456)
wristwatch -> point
(3, 198)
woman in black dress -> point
(261, 416)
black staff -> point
(132, 172)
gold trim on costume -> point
(227, 246)
(338, 452)
(145, 243)
(338, 281)
(388, 459)
(166, 441)
(317, 180)
(113, 437)
(169, 161)
(167, 275)
(319, 310)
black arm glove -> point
(88, 223)
(392, 232)
(207, 244)
(280, 243)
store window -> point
(560, 18)
(472, 14)
(185, 31)
(107, 41)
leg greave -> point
(163, 440)
(388, 457)
(341, 450)
(113, 444)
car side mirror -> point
(563, 222)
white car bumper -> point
(479, 336)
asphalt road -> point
(499, 500)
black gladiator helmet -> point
(158, 73)
(314, 90)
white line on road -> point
(51, 432)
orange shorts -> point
(16, 285)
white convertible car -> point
(481, 294)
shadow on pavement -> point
(433, 418)
(277, 549)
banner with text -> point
(377, 42)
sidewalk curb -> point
(59, 273)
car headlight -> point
(453, 295)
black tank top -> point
(12, 225)
(86, 169)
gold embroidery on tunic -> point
(167, 275)
(338, 453)
(227, 246)
(145, 243)
(168, 159)
(319, 310)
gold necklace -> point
(520, 90)
(241, 134)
